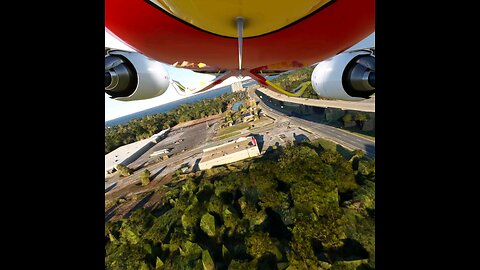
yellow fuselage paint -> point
(261, 16)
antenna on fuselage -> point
(240, 22)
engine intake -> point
(347, 76)
(120, 77)
(133, 76)
(359, 76)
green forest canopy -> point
(301, 207)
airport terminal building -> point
(242, 148)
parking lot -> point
(177, 141)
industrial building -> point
(242, 148)
(128, 153)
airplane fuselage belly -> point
(162, 36)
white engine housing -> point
(152, 79)
(327, 77)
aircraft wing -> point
(184, 91)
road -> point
(339, 136)
(367, 105)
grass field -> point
(227, 135)
(365, 136)
(370, 135)
(231, 129)
(258, 123)
(326, 144)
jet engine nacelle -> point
(133, 76)
(346, 76)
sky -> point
(188, 78)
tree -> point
(158, 264)
(347, 118)
(360, 118)
(124, 170)
(330, 157)
(215, 205)
(344, 176)
(145, 177)
(259, 244)
(207, 224)
(367, 167)
(178, 172)
(207, 261)
(274, 199)
(355, 160)
(359, 153)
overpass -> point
(367, 105)
(336, 135)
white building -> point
(242, 148)
(237, 86)
(128, 153)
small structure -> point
(242, 148)
(160, 152)
(248, 117)
(237, 86)
(251, 102)
(227, 124)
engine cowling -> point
(347, 76)
(133, 76)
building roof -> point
(154, 136)
(240, 144)
(120, 154)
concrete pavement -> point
(367, 105)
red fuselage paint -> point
(317, 37)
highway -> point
(339, 136)
(367, 105)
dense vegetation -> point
(142, 128)
(301, 207)
(289, 81)
(358, 117)
(124, 170)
